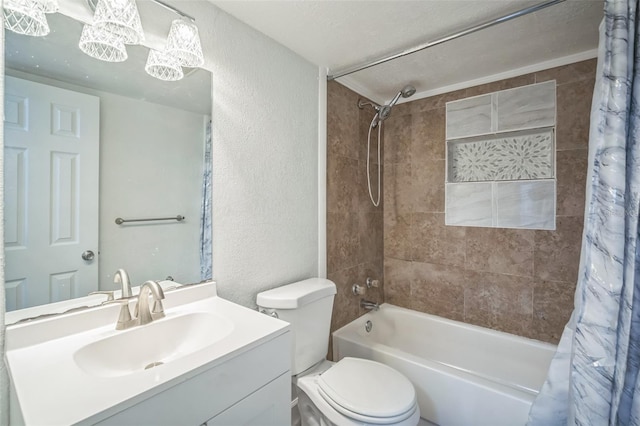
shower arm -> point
(362, 104)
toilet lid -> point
(367, 388)
(368, 419)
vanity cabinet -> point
(252, 388)
(260, 408)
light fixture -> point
(26, 17)
(183, 43)
(163, 66)
(115, 24)
(103, 45)
(49, 6)
(119, 17)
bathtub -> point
(463, 374)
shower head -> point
(385, 110)
(408, 91)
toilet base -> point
(309, 413)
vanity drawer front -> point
(208, 394)
(268, 406)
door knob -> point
(88, 255)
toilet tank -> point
(306, 306)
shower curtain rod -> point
(453, 36)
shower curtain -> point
(205, 213)
(593, 379)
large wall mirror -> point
(87, 142)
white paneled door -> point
(51, 170)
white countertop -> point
(53, 390)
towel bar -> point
(120, 221)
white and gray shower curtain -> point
(593, 378)
(205, 213)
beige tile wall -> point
(354, 225)
(519, 281)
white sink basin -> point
(144, 347)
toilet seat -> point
(364, 418)
(357, 391)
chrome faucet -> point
(121, 277)
(143, 313)
(369, 306)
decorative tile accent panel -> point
(471, 116)
(501, 159)
(527, 107)
(521, 205)
(469, 204)
(528, 204)
(516, 157)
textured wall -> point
(354, 225)
(519, 281)
(265, 162)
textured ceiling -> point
(338, 34)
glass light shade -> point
(163, 66)
(183, 43)
(49, 6)
(119, 17)
(103, 45)
(25, 17)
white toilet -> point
(352, 391)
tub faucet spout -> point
(368, 305)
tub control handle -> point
(372, 283)
(358, 290)
(272, 314)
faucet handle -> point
(108, 293)
(158, 309)
(124, 318)
(358, 290)
(372, 283)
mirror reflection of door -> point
(51, 193)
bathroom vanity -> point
(208, 361)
